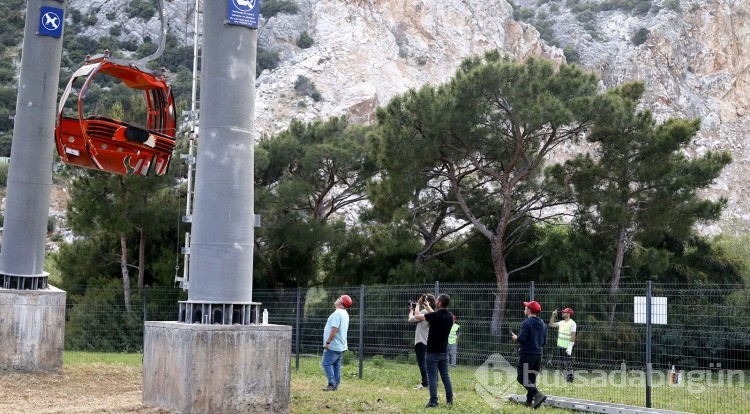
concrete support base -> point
(195, 368)
(32, 329)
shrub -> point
(141, 8)
(266, 59)
(305, 87)
(4, 174)
(270, 8)
(89, 20)
(571, 55)
(115, 31)
(305, 41)
(640, 36)
(377, 361)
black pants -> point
(528, 369)
(567, 361)
(421, 350)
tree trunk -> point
(501, 274)
(614, 286)
(141, 259)
(124, 270)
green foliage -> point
(143, 9)
(523, 13)
(303, 86)
(101, 310)
(673, 5)
(270, 8)
(266, 59)
(6, 138)
(4, 166)
(377, 361)
(640, 36)
(571, 55)
(12, 23)
(475, 124)
(102, 207)
(89, 20)
(75, 16)
(585, 7)
(640, 189)
(305, 41)
(480, 140)
(115, 31)
(304, 177)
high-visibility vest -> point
(453, 335)
(565, 328)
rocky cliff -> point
(692, 55)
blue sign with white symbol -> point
(243, 12)
(51, 21)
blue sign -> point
(51, 21)
(243, 12)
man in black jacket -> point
(531, 341)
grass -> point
(386, 387)
(118, 358)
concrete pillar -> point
(197, 368)
(32, 328)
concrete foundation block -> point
(32, 330)
(195, 368)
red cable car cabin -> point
(136, 146)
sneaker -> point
(419, 387)
(539, 398)
(449, 405)
(528, 402)
(431, 405)
(330, 388)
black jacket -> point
(532, 337)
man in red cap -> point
(531, 342)
(566, 338)
(334, 336)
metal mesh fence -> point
(703, 332)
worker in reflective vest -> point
(453, 342)
(566, 338)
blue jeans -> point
(452, 354)
(331, 364)
(439, 363)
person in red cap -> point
(531, 342)
(566, 338)
(334, 336)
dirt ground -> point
(77, 389)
